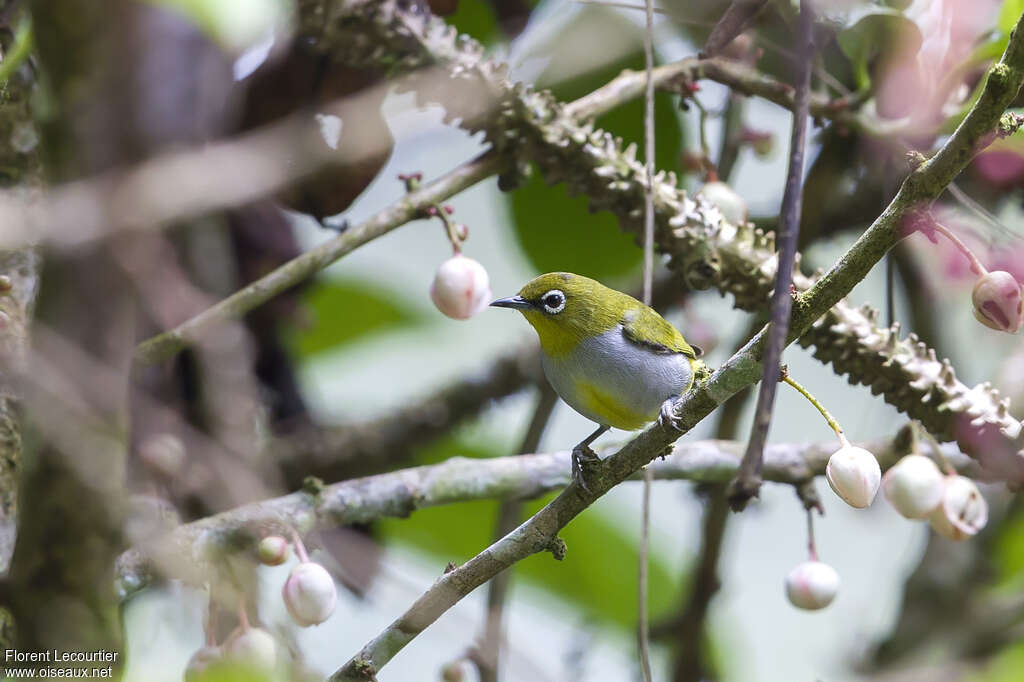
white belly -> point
(615, 382)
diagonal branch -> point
(410, 207)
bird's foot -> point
(667, 415)
(583, 457)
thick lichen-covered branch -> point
(455, 480)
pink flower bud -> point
(309, 594)
(997, 301)
(461, 288)
(273, 550)
(963, 511)
(812, 585)
(854, 475)
(201, 661)
(914, 486)
(253, 647)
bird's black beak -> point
(512, 302)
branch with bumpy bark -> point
(460, 479)
(533, 126)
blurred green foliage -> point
(347, 310)
(878, 34)
(1007, 666)
(598, 574)
(557, 232)
(1008, 550)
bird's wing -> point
(646, 327)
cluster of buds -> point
(309, 595)
(461, 287)
(952, 504)
(248, 647)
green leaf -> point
(597, 574)
(476, 19)
(879, 32)
(345, 310)
(1008, 551)
(557, 232)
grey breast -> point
(621, 367)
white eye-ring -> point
(553, 301)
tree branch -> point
(348, 450)
(748, 482)
(410, 207)
(458, 479)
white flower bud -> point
(731, 204)
(253, 647)
(914, 486)
(997, 301)
(273, 550)
(854, 475)
(461, 288)
(165, 453)
(309, 594)
(963, 511)
(202, 660)
(812, 585)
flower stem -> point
(821, 408)
(300, 547)
(812, 548)
(936, 450)
(976, 265)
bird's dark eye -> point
(553, 301)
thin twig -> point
(748, 481)
(167, 344)
(736, 18)
(829, 419)
(642, 637)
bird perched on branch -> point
(608, 356)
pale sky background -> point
(765, 638)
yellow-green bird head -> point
(609, 356)
(565, 309)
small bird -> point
(607, 355)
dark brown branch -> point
(748, 482)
